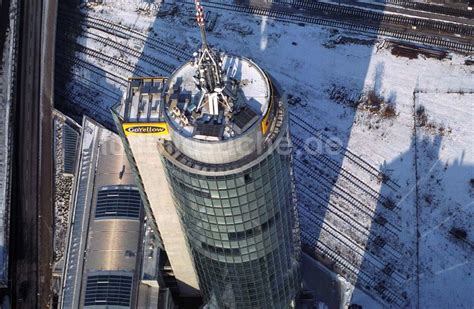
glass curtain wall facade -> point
(218, 136)
(240, 228)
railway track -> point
(350, 272)
(325, 207)
(357, 252)
(379, 18)
(177, 52)
(92, 68)
(332, 188)
(344, 189)
(98, 71)
(357, 160)
(87, 83)
(136, 70)
(386, 293)
(432, 8)
(354, 273)
(84, 102)
(124, 49)
(352, 250)
(367, 227)
(374, 273)
(336, 167)
(103, 57)
(380, 30)
(92, 106)
(166, 68)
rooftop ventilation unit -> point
(244, 119)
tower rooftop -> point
(188, 107)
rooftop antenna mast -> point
(201, 23)
(209, 75)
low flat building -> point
(104, 257)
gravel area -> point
(62, 196)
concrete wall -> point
(148, 162)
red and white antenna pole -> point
(201, 22)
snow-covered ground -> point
(445, 197)
(387, 204)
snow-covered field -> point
(383, 145)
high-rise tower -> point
(221, 131)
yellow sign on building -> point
(152, 128)
(266, 118)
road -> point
(32, 166)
